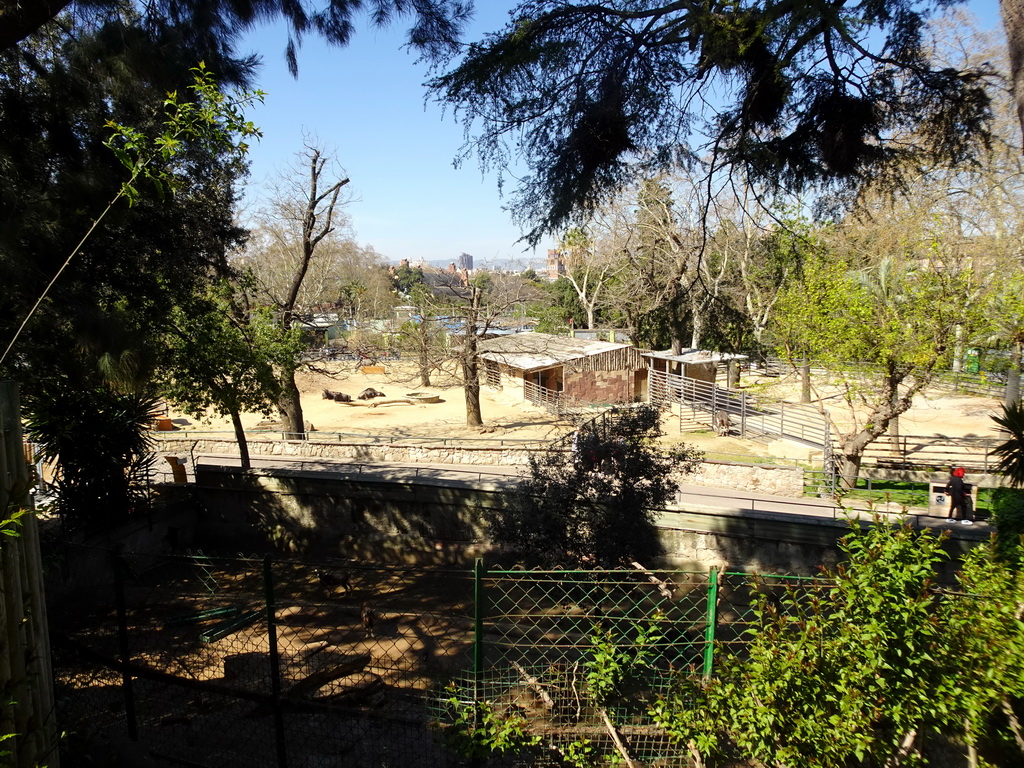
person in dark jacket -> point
(957, 491)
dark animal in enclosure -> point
(338, 397)
(366, 617)
(721, 425)
(369, 393)
(331, 580)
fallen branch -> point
(665, 586)
(534, 685)
(698, 761)
(615, 738)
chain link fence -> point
(238, 661)
(214, 661)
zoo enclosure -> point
(213, 661)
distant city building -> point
(556, 264)
(465, 261)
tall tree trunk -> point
(289, 405)
(243, 446)
(805, 380)
(849, 469)
(471, 364)
(424, 367)
(1012, 394)
(1012, 12)
(471, 384)
(894, 425)
(591, 314)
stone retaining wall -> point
(761, 478)
(386, 520)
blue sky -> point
(366, 103)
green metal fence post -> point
(275, 663)
(479, 613)
(710, 620)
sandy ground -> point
(506, 415)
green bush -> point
(1008, 519)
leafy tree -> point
(594, 506)
(104, 275)
(595, 94)
(435, 22)
(100, 442)
(222, 357)
(861, 665)
(1004, 316)
(405, 278)
(1011, 451)
(894, 321)
(558, 307)
(870, 664)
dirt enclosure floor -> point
(507, 416)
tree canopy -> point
(792, 94)
(435, 24)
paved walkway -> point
(690, 497)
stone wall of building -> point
(599, 386)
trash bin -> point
(938, 501)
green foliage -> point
(207, 117)
(105, 276)
(618, 662)
(870, 664)
(9, 525)
(617, 667)
(1011, 451)
(101, 440)
(1008, 521)
(476, 729)
(594, 505)
(222, 358)
(405, 278)
(987, 625)
(560, 305)
(864, 663)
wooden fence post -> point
(24, 641)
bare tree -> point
(591, 263)
(468, 308)
(305, 212)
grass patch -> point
(910, 494)
(898, 492)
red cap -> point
(958, 472)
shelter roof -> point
(691, 356)
(536, 351)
